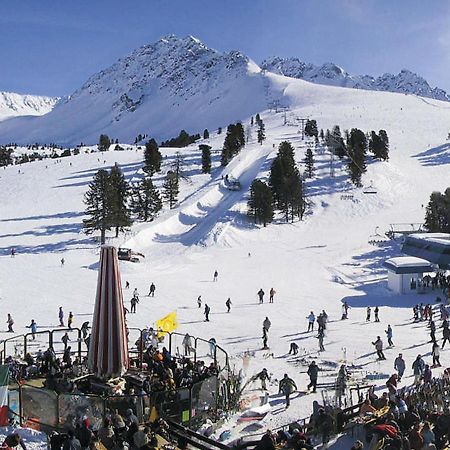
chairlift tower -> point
(331, 164)
(302, 127)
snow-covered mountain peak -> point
(157, 89)
(12, 105)
(172, 62)
(329, 73)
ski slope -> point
(313, 265)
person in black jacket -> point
(313, 372)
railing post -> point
(79, 345)
(25, 344)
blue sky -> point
(52, 47)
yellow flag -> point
(167, 324)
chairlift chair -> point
(369, 189)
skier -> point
(61, 316)
(62, 262)
(341, 383)
(264, 377)
(368, 314)
(228, 304)
(152, 290)
(379, 348)
(272, 292)
(261, 296)
(435, 351)
(136, 293)
(427, 374)
(287, 387)
(264, 339)
(293, 349)
(320, 336)
(311, 319)
(445, 335)
(391, 384)
(313, 372)
(70, 320)
(206, 312)
(418, 367)
(399, 366)
(389, 336)
(345, 308)
(65, 339)
(134, 301)
(187, 344)
(216, 275)
(199, 301)
(84, 329)
(127, 285)
(13, 252)
(10, 323)
(267, 324)
(433, 331)
(376, 311)
(212, 346)
(33, 327)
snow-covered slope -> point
(12, 105)
(177, 84)
(158, 89)
(405, 82)
(313, 265)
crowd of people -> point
(118, 432)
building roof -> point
(408, 264)
(434, 247)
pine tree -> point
(206, 158)
(260, 205)
(437, 215)
(103, 143)
(206, 134)
(171, 189)
(178, 167)
(336, 143)
(240, 136)
(297, 199)
(309, 163)
(152, 157)
(257, 119)
(251, 121)
(282, 168)
(97, 201)
(356, 147)
(311, 128)
(261, 132)
(384, 153)
(321, 134)
(145, 200)
(118, 197)
(219, 130)
(234, 141)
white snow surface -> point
(13, 105)
(313, 265)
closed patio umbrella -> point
(108, 346)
